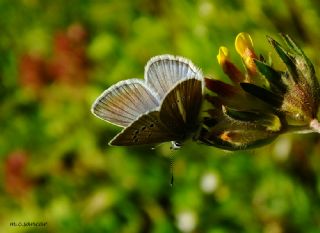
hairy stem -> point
(299, 129)
(315, 125)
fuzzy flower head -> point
(262, 102)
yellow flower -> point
(244, 47)
(228, 67)
(263, 102)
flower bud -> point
(228, 67)
(294, 92)
(244, 47)
(237, 130)
(264, 104)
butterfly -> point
(163, 107)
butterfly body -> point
(164, 107)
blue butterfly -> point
(163, 107)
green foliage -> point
(58, 56)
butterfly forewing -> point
(147, 129)
(165, 71)
(180, 109)
(125, 102)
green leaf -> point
(268, 120)
(273, 76)
(303, 64)
(263, 94)
(237, 139)
(286, 57)
(292, 45)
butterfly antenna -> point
(171, 169)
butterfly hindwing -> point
(124, 102)
(180, 108)
(147, 129)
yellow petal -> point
(243, 43)
(228, 67)
(244, 47)
(223, 55)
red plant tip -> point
(228, 67)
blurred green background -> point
(56, 57)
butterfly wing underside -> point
(165, 71)
(147, 129)
(125, 102)
(181, 107)
(163, 108)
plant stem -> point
(299, 129)
(315, 125)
